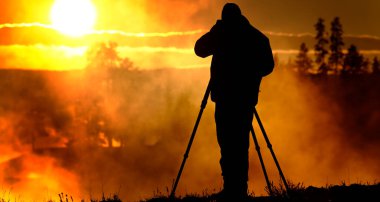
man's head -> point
(231, 12)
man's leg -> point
(233, 124)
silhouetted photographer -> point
(241, 57)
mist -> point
(88, 133)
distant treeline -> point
(330, 56)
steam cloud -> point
(151, 114)
(118, 32)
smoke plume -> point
(89, 132)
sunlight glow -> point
(73, 17)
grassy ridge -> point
(333, 193)
(336, 193)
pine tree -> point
(323, 69)
(303, 61)
(336, 45)
(353, 61)
(320, 46)
(375, 66)
(365, 68)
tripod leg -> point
(261, 160)
(271, 151)
(203, 106)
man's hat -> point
(231, 12)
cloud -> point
(42, 57)
(52, 57)
(363, 36)
(269, 33)
(59, 57)
(19, 25)
(39, 33)
(101, 32)
(153, 34)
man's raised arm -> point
(206, 45)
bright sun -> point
(73, 17)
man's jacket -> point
(241, 57)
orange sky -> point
(23, 25)
(159, 15)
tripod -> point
(269, 145)
(185, 156)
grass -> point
(64, 198)
(298, 193)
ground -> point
(354, 192)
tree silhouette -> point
(320, 46)
(375, 66)
(323, 69)
(104, 64)
(105, 56)
(303, 60)
(365, 66)
(336, 45)
(353, 61)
